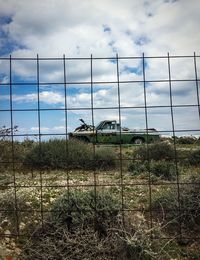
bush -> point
(78, 210)
(137, 167)
(194, 158)
(18, 150)
(5, 155)
(164, 170)
(187, 140)
(71, 154)
(167, 203)
(105, 158)
(156, 151)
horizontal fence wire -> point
(121, 180)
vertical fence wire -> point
(175, 148)
(197, 84)
(40, 141)
(120, 135)
(16, 210)
(66, 125)
(94, 139)
(147, 143)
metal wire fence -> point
(155, 92)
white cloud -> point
(55, 129)
(76, 27)
(79, 28)
(47, 97)
(36, 129)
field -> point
(103, 202)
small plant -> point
(194, 158)
(187, 140)
(105, 158)
(156, 151)
(82, 209)
(163, 169)
(11, 151)
(137, 245)
(188, 215)
(138, 167)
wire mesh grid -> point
(125, 187)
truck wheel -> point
(138, 141)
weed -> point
(194, 158)
(156, 151)
(105, 158)
(80, 209)
(163, 169)
(188, 215)
(186, 140)
(138, 167)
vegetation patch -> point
(94, 234)
(161, 169)
(194, 158)
(187, 140)
(80, 209)
(138, 167)
(164, 170)
(183, 210)
(155, 151)
(71, 154)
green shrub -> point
(194, 158)
(5, 155)
(137, 167)
(163, 169)
(80, 209)
(156, 151)
(71, 154)
(186, 140)
(105, 158)
(12, 150)
(189, 214)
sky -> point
(103, 29)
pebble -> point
(7, 234)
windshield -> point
(99, 125)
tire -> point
(138, 141)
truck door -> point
(107, 133)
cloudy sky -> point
(79, 28)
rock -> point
(22, 225)
(7, 236)
(4, 223)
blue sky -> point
(128, 28)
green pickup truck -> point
(110, 132)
